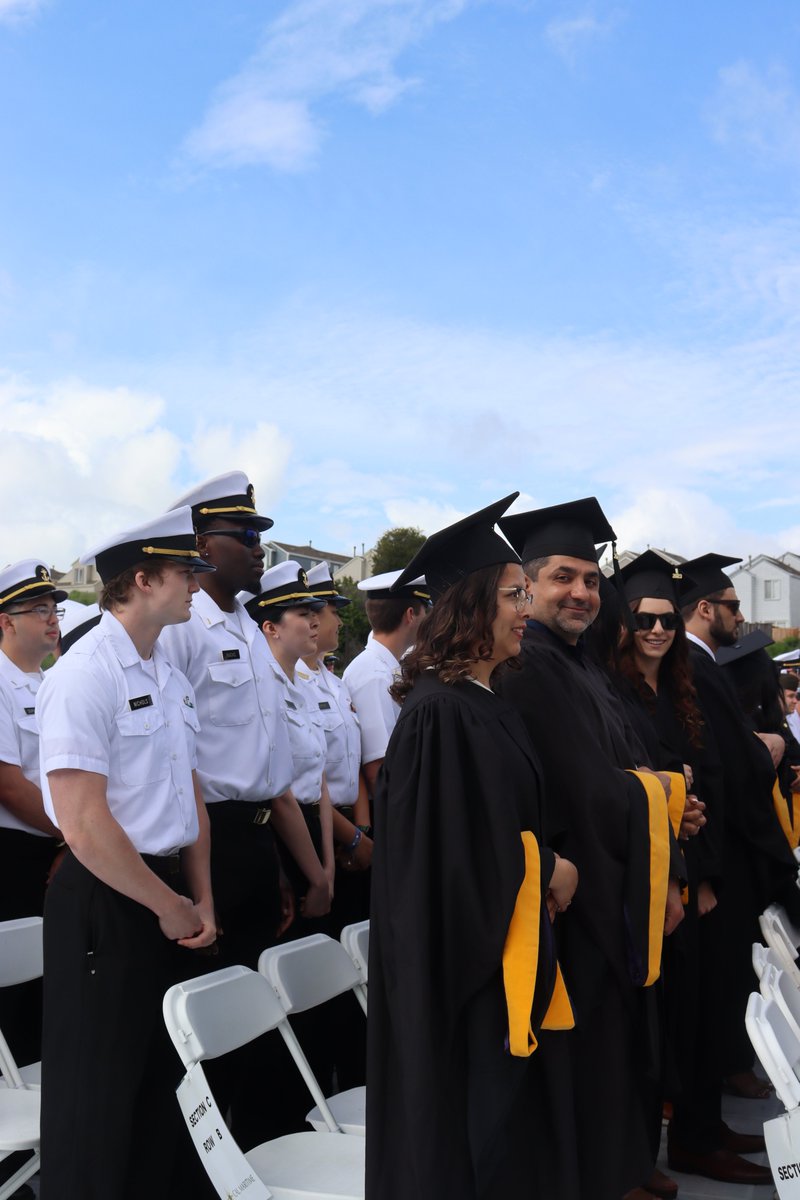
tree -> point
(82, 597)
(355, 626)
(395, 549)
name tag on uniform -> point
(227, 655)
(140, 702)
(29, 712)
(324, 704)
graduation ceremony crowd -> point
(562, 799)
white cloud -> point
(260, 450)
(18, 10)
(570, 36)
(759, 110)
(316, 49)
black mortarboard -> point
(752, 643)
(652, 576)
(704, 575)
(573, 529)
(460, 549)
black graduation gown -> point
(449, 1110)
(758, 865)
(594, 817)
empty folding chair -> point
(763, 957)
(776, 985)
(20, 960)
(304, 974)
(776, 1046)
(217, 1013)
(780, 935)
(355, 939)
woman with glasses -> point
(463, 974)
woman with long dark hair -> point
(463, 972)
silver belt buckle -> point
(262, 815)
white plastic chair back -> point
(21, 957)
(764, 957)
(355, 939)
(776, 985)
(308, 972)
(777, 1048)
(220, 1012)
(778, 937)
(20, 961)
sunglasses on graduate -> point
(732, 605)
(645, 621)
(250, 537)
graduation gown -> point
(606, 819)
(458, 929)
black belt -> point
(165, 866)
(312, 808)
(242, 812)
(346, 810)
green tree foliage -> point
(355, 626)
(82, 597)
(790, 643)
(395, 548)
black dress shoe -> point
(718, 1164)
(740, 1143)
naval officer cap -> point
(653, 577)
(169, 538)
(462, 548)
(385, 587)
(322, 587)
(705, 575)
(282, 587)
(231, 497)
(572, 529)
(25, 580)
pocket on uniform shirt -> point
(231, 694)
(305, 744)
(143, 756)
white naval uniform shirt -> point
(342, 732)
(368, 679)
(243, 752)
(102, 708)
(19, 737)
(305, 733)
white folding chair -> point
(763, 957)
(355, 939)
(781, 936)
(20, 961)
(304, 974)
(217, 1013)
(777, 1047)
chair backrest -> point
(764, 957)
(776, 985)
(308, 972)
(777, 1047)
(217, 1013)
(20, 950)
(778, 939)
(355, 939)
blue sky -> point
(396, 258)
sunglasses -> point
(249, 537)
(645, 621)
(732, 605)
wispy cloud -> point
(18, 10)
(758, 110)
(569, 37)
(268, 113)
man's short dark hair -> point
(789, 682)
(385, 616)
(688, 611)
(117, 591)
(535, 565)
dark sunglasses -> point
(645, 621)
(250, 537)
(732, 605)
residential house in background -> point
(769, 590)
(307, 556)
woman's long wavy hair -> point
(456, 633)
(674, 672)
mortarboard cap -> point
(282, 586)
(382, 587)
(230, 496)
(752, 643)
(460, 549)
(573, 529)
(169, 538)
(25, 580)
(704, 575)
(321, 585)
(652, 576)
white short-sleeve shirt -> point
(102, 708)
(243, 752)
(19, 737)
(306, 736)
(368, 679)
(342, 732)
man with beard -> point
(612, 822)
(758, 866)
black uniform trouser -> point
(111, 1125)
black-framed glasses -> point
(731, 605)
(249, 537)
(645, 621)
(520, 597)
(43, 611)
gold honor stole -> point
(521, 961)
(646, 886)
(676, 806)
(789, 820)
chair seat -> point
(19, 1119)
(349, 1110)
(311, 1166)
